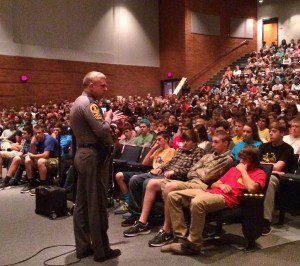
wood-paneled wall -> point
(185, 53)
(58, 80)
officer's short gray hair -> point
(89, 77)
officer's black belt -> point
(88, 145)
(104, 151)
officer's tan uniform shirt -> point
(88, 124)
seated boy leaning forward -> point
(225, 192)
(42, 156)
(159, 154)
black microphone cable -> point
(45, 262)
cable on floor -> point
(45, 262)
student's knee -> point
(153, 184)
(41, 162)
(119, 176)
(28, 160)
(170, 187)
(198, 204)
(135, 180)
(16, 159)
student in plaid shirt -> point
(175, 169)
(205, 172)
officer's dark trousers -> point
(90, 214)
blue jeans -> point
(137, 188)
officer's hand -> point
(109, 114)
(117, 115)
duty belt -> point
(88, 145)
(103, 150)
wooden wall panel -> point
(58, 80)
(188, 53)
(204, 49)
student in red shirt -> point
(227, 191)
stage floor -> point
(23, 233)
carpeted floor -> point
(23, 233)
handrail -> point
(203, 70)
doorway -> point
(270, 31)
(168, 86)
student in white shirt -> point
(294, 135)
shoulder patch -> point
(96, 112)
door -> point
(168, 86)
(270, 31)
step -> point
(241, 62)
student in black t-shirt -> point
(281, 155)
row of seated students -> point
(184, 161)
(37, 153)
(189, 138)
(192, 170)
(269, 70)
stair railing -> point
(203, 70)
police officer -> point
(94, 140)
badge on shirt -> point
(96, 112)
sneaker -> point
(27, 188)
(129, 221)
(175, 242)
(13, 182)
(161, 238)
(23, 181)
(267, 228)
(4, 184)
(126, 215)
(170, 247)
(186, 248)
(122, 208)
(137, 229)
(32, 192)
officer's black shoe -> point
(85, 254)
(113, 253)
